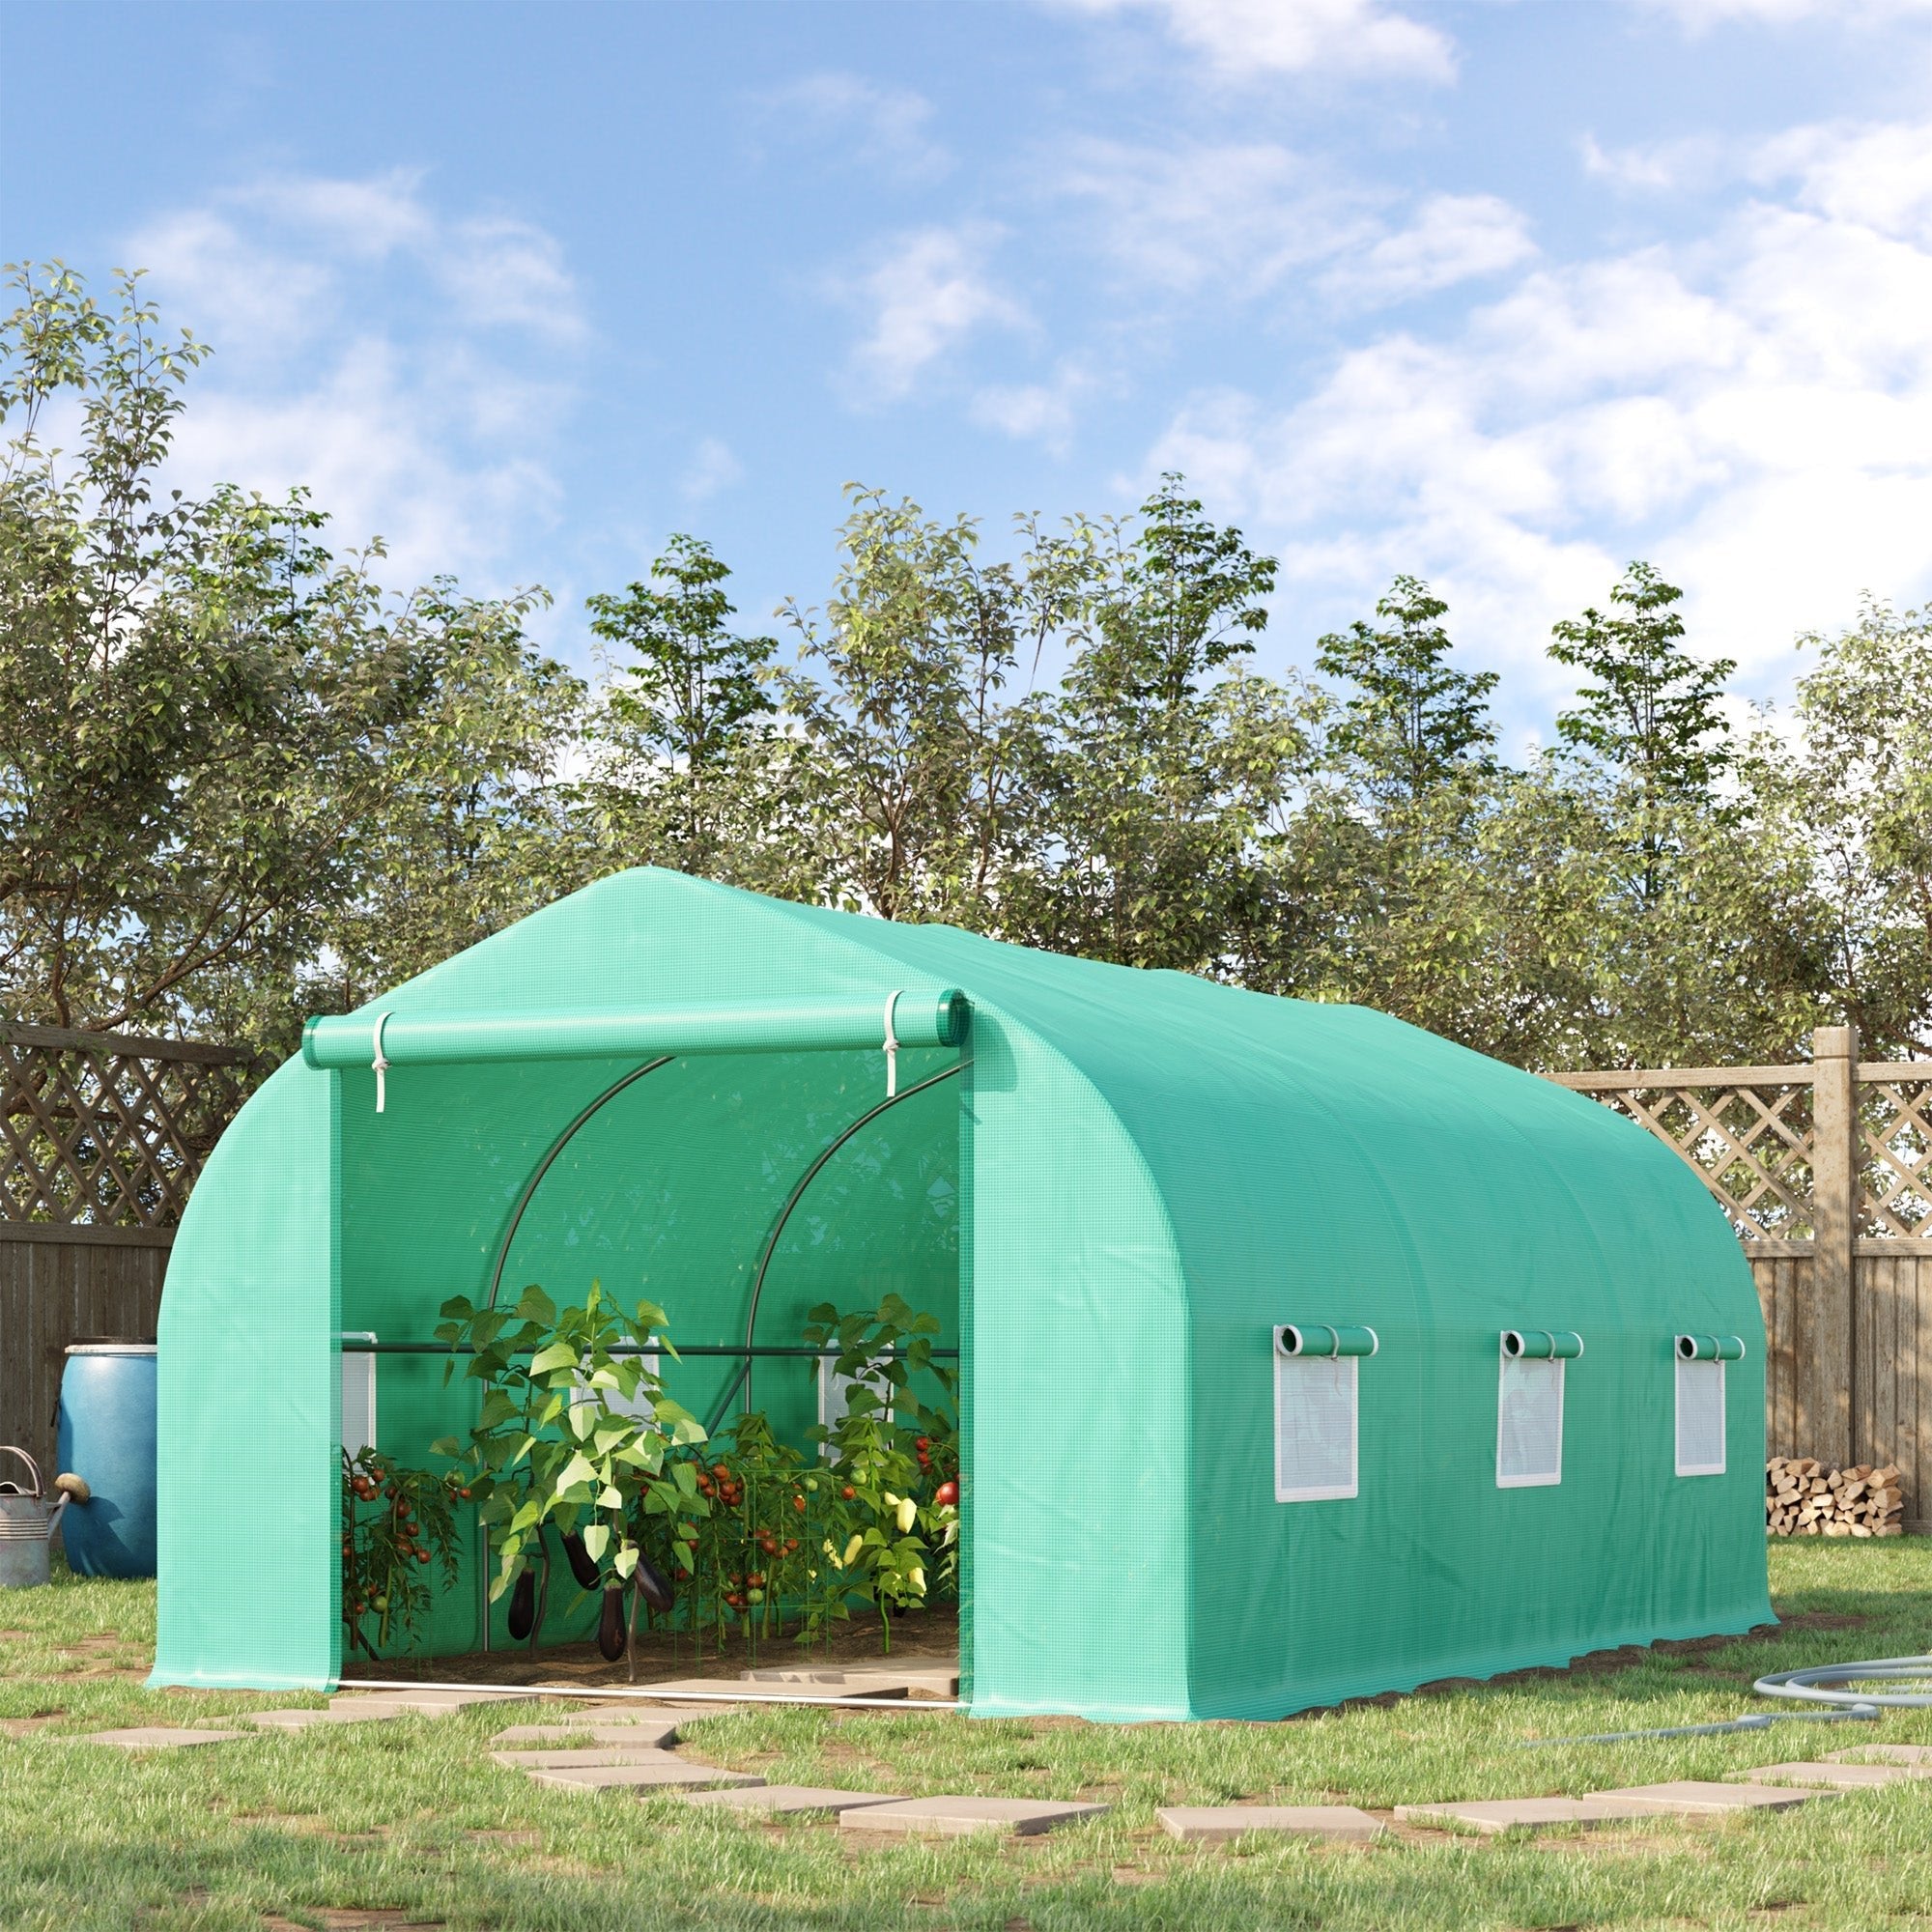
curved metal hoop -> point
(543, 1167)
(743, 1380)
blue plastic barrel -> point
(106, 1438)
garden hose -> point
(1816, 1684)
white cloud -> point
(1242, 39)
(713, 468)
(1700, 15)
(1230, 218)
(928, 293)
(399, 363)
(885, 125)
(1453, 239)
(1036, 412)
(1754, 409)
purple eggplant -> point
(524, 1604)
(610, 1625)
(653, 1585)
(583, 1565)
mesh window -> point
(359, 1399)
(1529, 1422)
(1314, 1428)
(640, 1405)
(1701, 1418)
(833, 1391)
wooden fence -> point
(102, 1137)
(1825, 1171)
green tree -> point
(1164, 755)
(684, 709)
(1851, 786)
(1412, 719)
(206, 721)
(914, 753)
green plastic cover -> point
(1114, 1196)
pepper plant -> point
(576, 1433)
(396, 1524)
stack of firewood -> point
(1803, 1498)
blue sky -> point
(1501, 293)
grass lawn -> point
(410, 1818)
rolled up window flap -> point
(1321, 1339)
(1709, 1348)
(1542, 1345)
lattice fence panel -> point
(1896, 1170)
(107, 1132)
(1750, 1143)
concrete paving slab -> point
(639, 1713)
(586, 1754)
(1534, 1814)
(303, 1720)
(1689, 1796)
(935, 1680)
(154, 1737)
(1214, 1824)
(1882, 1754)
(785, 1800)
(1837, 1777)
(679, 1774)
(658, 1734)
(954, 1817)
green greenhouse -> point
(1302, 1356)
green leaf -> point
(558, 1356)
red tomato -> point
(948, 1492)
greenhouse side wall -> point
(248, 1404)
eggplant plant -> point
(575, 1435)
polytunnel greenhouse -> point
(1302, 1356)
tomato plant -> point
(397, 1524)
(888, 1539)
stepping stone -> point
(1884, 1753)
(421, 1703)
(591, 1755)
(154, 1737)
(673, 1774)
(1689, 1796)
(654, 1733)
(302, 1720)
(639, 1713)
(1534, 1814)
(872, 1681)
(954, 1817)
(784, 1800)
(1838, 1776)
(1213, 1824)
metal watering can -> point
(27, 1523)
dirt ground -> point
(926, 1636)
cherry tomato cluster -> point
(718, 1484)
(382, 1553)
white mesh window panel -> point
(1314, 1428)
(1701, 1418)
(639, 1407)
(1529, 1422)
(834, 1389)
(358, 1398)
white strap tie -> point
(380, 1065)
(892, 1049)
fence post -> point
(1825, 1379)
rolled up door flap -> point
(407, 1038)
